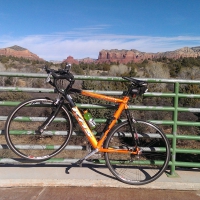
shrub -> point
(14, 96)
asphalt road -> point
(94, 193)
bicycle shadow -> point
(93, 167)
(29, 164)
(97, 169)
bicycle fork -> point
(58, 103)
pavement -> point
(89, 175)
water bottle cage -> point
(91, 123)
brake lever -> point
(48, 77)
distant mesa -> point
(87, 60)
(125, 56)
(133, 55)
(18, 51)
(108, 56)
(71, 60)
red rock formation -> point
(114, 55)
(71, 60)
(125, 56)
(17, 51)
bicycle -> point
(136, 151)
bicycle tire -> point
(149, 164)
(21, 130)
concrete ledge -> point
(94, 183)
(88, 176)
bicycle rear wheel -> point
(148, 164)
(22, 125)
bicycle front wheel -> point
(23, 125)
(145, 166)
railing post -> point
(174, 129)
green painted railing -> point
(174, 123)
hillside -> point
(17, 51)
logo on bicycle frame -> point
(80, 119)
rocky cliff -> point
(70, 60)
(125, 56)
(18, 51)
(114, 55)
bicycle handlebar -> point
(137, 87)
(58, 75)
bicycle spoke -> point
(150, 161)
(23, 130)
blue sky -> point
(55, 29)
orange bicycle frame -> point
(85, 128)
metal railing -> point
(174, 123)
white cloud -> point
(87, 43)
